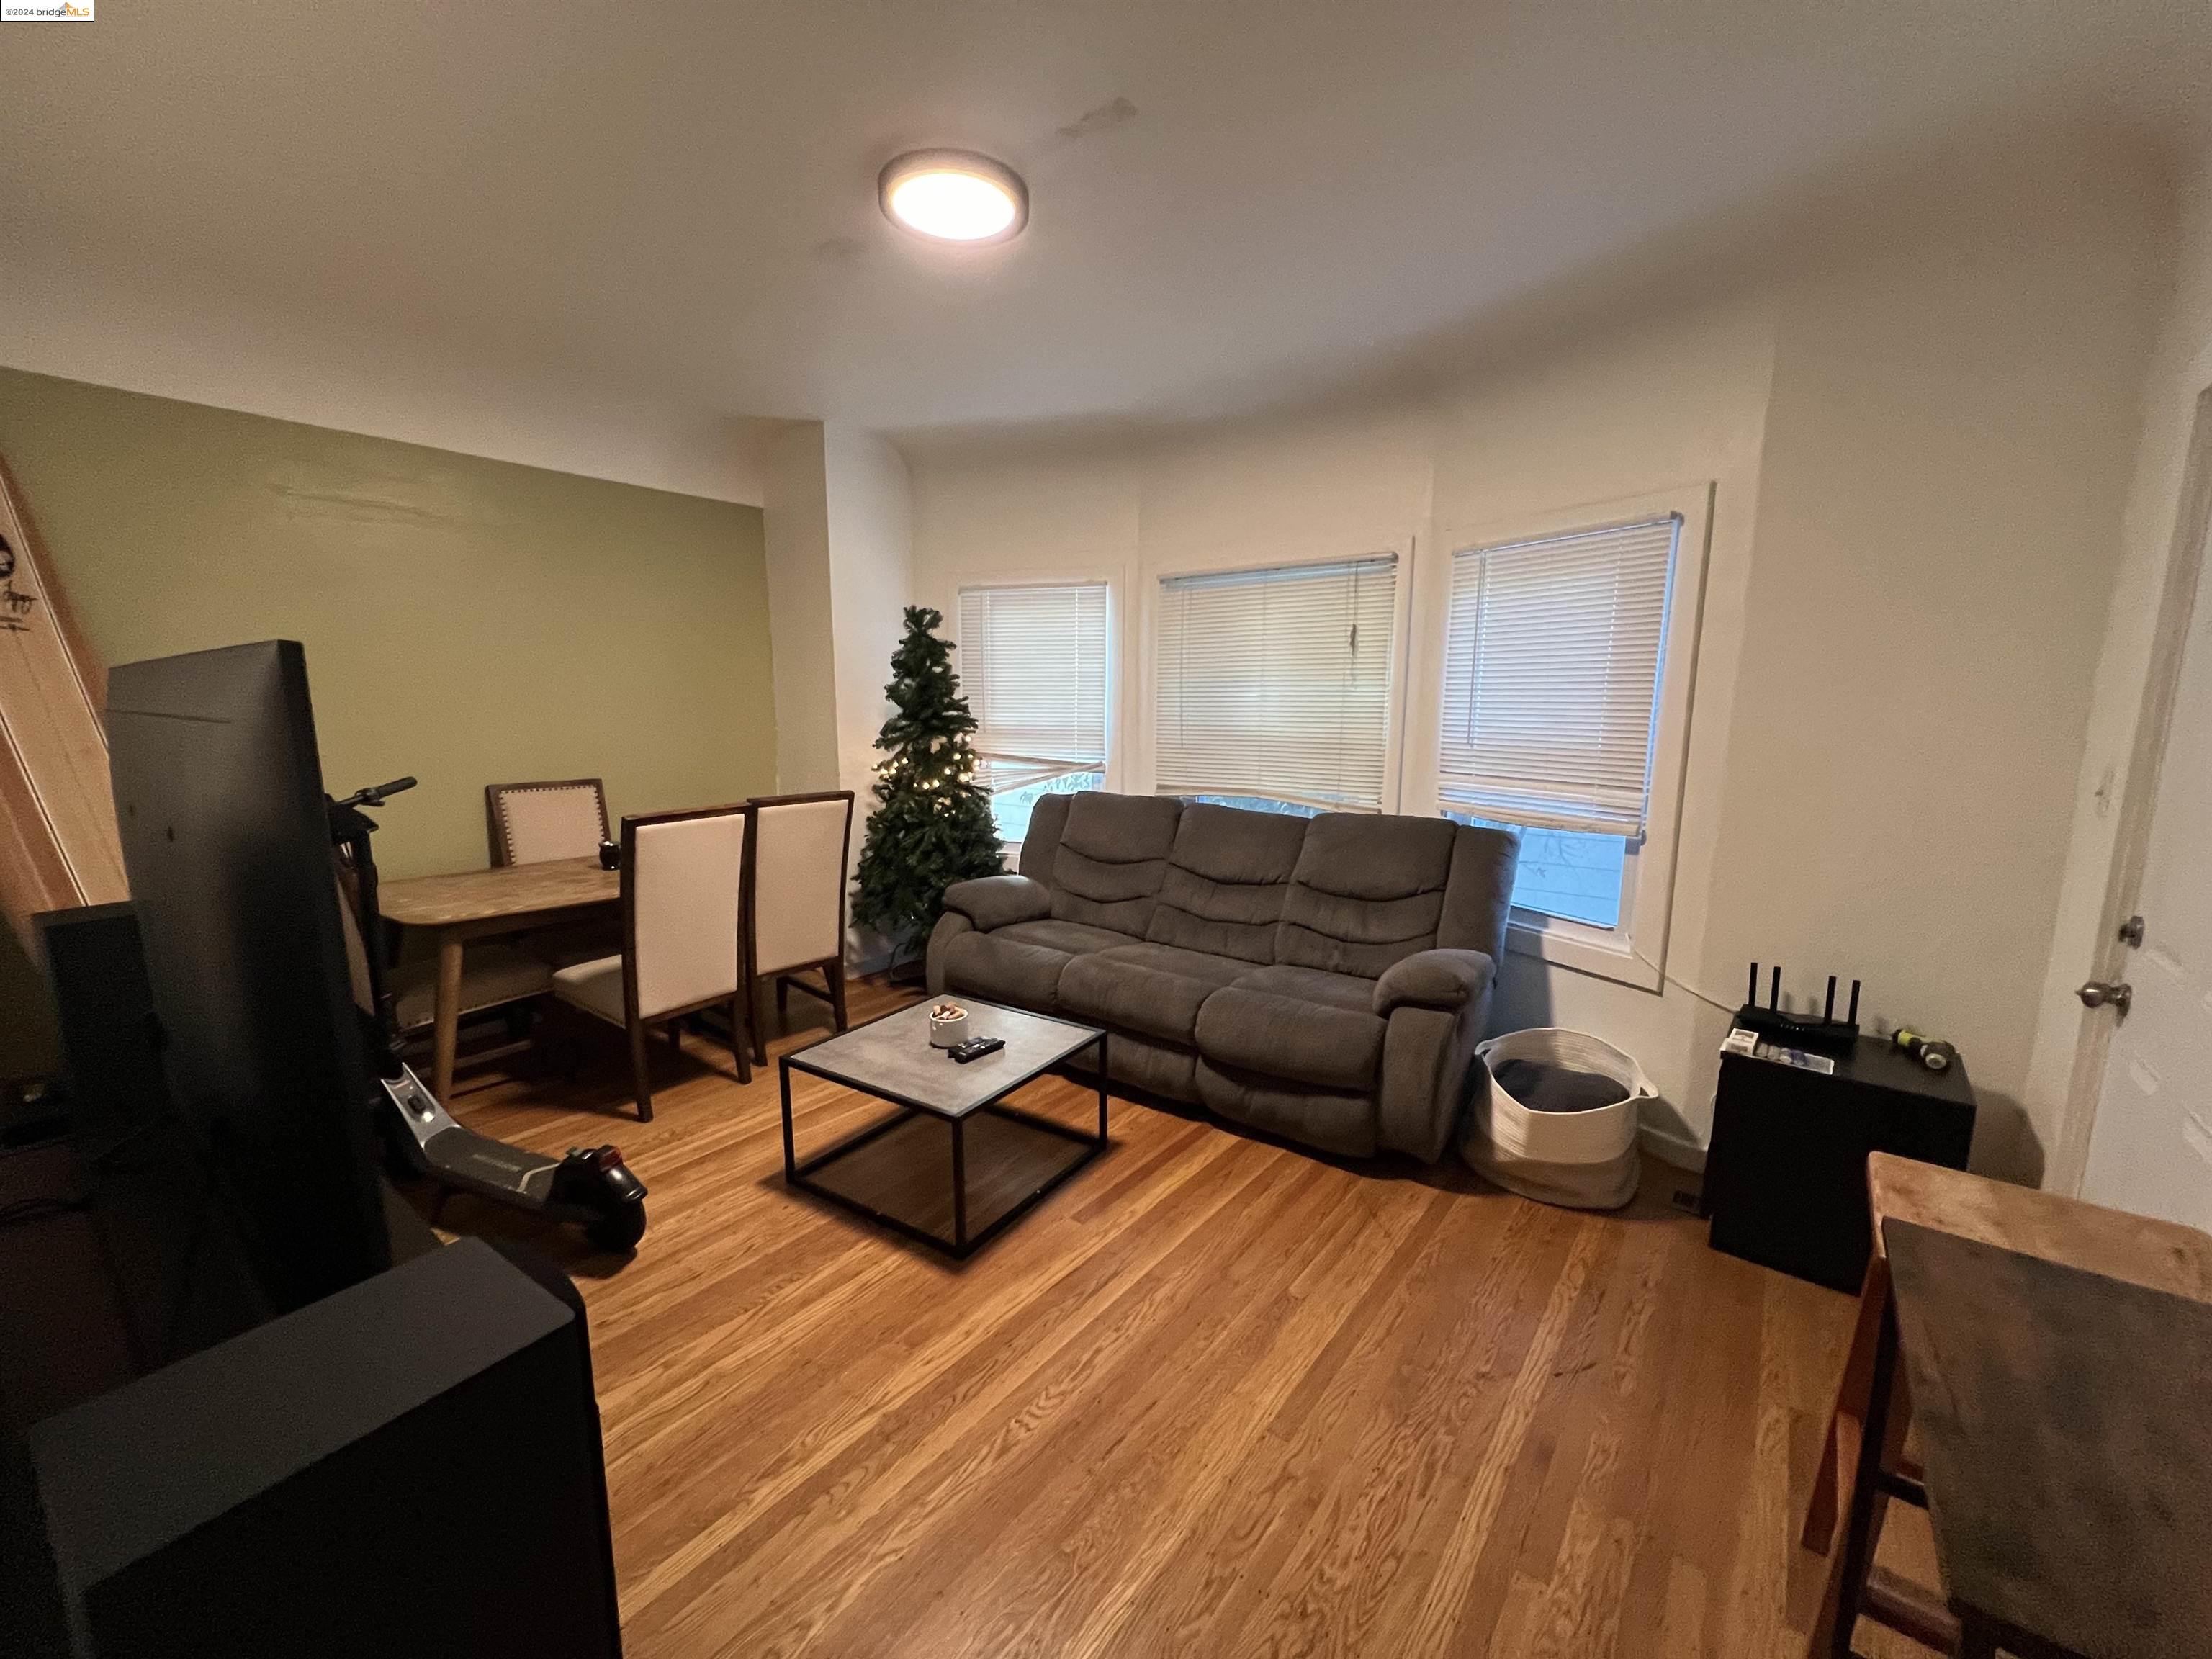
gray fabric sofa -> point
(1324, 979)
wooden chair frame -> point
(739, 1000)
(831, 968)
(495, 827)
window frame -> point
(1634, 952)
(965, 581)
(1287, 554)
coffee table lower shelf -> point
(902, 1145)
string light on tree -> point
(932, 825)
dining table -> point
(475, 904)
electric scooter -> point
(591, 1187)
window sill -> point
(1585, 951)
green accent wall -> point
(467, 620)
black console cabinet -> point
(410, 1467)
(1785, 1177)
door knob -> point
(2097, 993)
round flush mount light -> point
(953, 196)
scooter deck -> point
(464, 1159)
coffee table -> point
(891, 1059)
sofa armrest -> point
(992, 902)
(1436, 1003)
(1446, 981)
(950, 927)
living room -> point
(1453, 526)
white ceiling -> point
(662, 217)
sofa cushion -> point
(1068, 937)
(1000, 968)
(1160, 1068)
(1327, 1118)
(1367, 892)
(1227, 875)
(1300, 1023)
(1112, 854)
(1041, 841)
(1155, 989)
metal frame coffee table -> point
(891, 1059)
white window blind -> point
(1033, 664)
(1552, 677)
(1277, 683)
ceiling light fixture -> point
(953, 196)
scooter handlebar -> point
(374, 795)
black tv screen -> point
(219, 799)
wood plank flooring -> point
(1214, 1396)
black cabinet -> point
(1785, 1177)
(411, 1466)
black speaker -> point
(180, 1276)
(411, 1466)
(112, 1069)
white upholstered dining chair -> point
(534, 822)
(684, 876)
(799, 869)
(537, 822)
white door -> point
(2150, 1150)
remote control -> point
(975, 1049)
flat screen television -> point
(219, 800)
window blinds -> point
(1277, 683)
(1552, 678)
(1033, 664)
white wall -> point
(838, 527)
(1918, 436)
(871, 522)
(1946, 454)
(796, 529)
(2180, 371)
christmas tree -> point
(932, 825)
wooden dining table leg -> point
(1880, 1440)
(446, 1016)
(1847, 1416)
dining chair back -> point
(683, 896)
(534, 823)
(800, 867)
(685, 876)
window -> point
(1033, 665)
(1555, 720)
(1276, 682)
(1552, 678)
(1565, 873)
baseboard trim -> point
(1682, 1151)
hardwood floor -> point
(1213, 1396)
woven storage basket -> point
(1583, 1160)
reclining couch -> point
(1323, 979)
